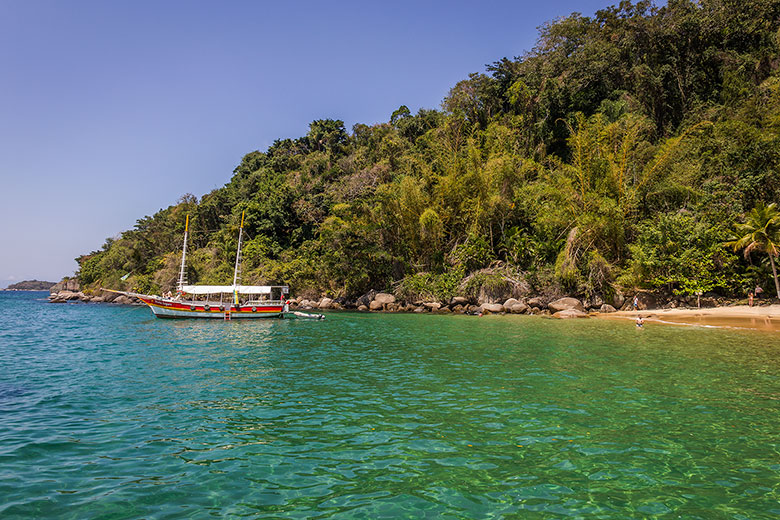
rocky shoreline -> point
(69, 290)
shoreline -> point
(764, 318)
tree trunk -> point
(774, 273)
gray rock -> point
(384, 298)
(517, 308)
(366, 298)
(434, 306)
(460, 300)
(491, 308)
(536, 302)
(510, 302)
(375, 306)
(563, 304)
(362, 308)
(325, 303)
(606, 308)
(419, 309)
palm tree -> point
(760, 232)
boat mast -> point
(184, 254)
(238, 251)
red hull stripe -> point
(247, 309)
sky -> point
(110, 111)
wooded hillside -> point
(619, 152)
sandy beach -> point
(765, 317)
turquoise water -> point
(107, 412)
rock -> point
(511, 301)
(617, 299)
(460, 300)
(83, 297)
(337, 306)
(325, 303)
(517, 308)
(606, 308)
(70, 285)
(563, 304)
(491, 308)
(366, 298)
(57, 299)
(419, 309)
(434, 306)
(384, 298)
(445, 310)
(536, 302)
(595, 302)
(570, 313)
(375, 306)
(457, 308)
(647, 301)
(707, 302)
(122, 300)
(391, 307)
(362, 308)
(97, 299)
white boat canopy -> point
(229, 289)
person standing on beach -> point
(750, 298)
(636, 302)
(759, 291)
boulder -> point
(362, 308)
(457, 308)
(570, 313)
(536, 302)
(460, 300)
(617, 300)
(384, 298)
(445, 310)
(123, 300)
(606, 308)
(375, 306)
(434, 306)
(391, 307)
(366, 298)
(646, 301)
(419, 309)
(97, 299)
(491, 308)
(511, 301)
(562, 304)
(517, 308)
(326, 303)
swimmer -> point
(640, 322)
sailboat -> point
(219, 301)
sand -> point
(765, 317)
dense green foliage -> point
(618, 152)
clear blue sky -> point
(111, 110)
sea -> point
(108, 412)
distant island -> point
(30, 285)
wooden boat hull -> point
(166, 308)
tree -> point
(760, 232)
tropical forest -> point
(637, 149)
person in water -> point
(640, 322)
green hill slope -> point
(617, 153)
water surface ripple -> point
(107, 412)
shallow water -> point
(107, 412)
